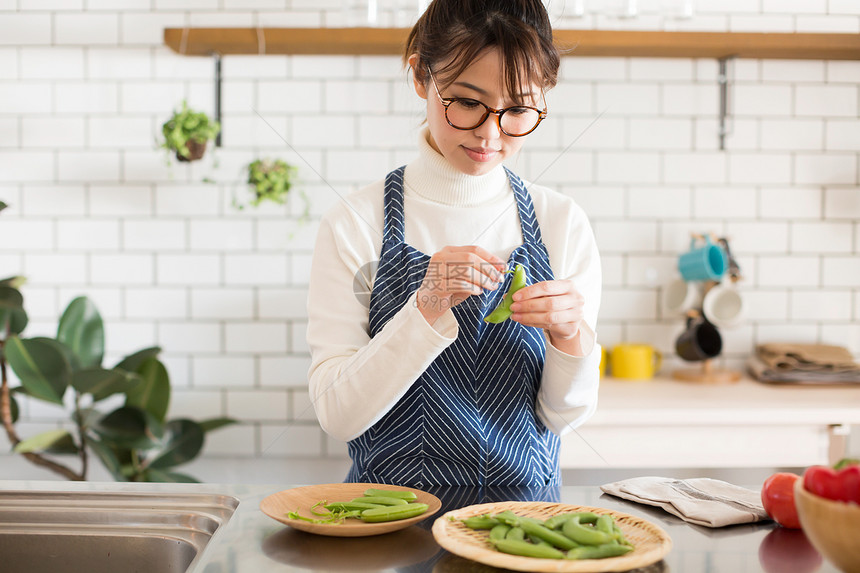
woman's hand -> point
(453, 275)
(555, 306)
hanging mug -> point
(703, 263)
(723, 305)
(700, 341)
(680, 297)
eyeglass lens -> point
(469, 114)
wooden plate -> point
(301, 499)
(651, 543)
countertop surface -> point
(251, 542)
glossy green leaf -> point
(153, 392)
(13, 317)
(52, 439)
(101, 383)
(107, 457)
(41, 366)
(215, 423)
(183, 442)
(125, 426)
(14, 407)
(133, 362)
(81, 329)
(15, 282)
(156, 475)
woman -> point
(424, 390)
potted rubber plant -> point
(187, 133)
(134, 441)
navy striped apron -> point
(470, 418)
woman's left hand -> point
(555, 306)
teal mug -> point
(703, 263)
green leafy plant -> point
(187, 132)
(135, 441)
(270, 180)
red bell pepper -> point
(838, 485)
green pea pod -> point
(351, 506)
(480, 522)
(555, 538)
(584, 534)
(499, 531)
(598, 551)
(558, 520)
(402, 494)
(604, 524)
(509, 517)
(516, 534)
(503, 312)
(393, 512)
(380, 500)
(526, 549)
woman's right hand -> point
(453, 275)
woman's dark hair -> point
(451, 34)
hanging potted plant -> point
(271, 180)
(187, 133)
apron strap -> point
(528, 219)
(394, 228)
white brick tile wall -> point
(83, 235)
(52, 132)
(227, 303)
(187, 269)
(115, 200)
(86, 29)
(167, 258)
(66, 200)
(255, 337)
(156, 302)
(223, 371)
(124, 269)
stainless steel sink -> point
(107, 532)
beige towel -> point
(807, 357)
(703, 501)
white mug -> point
(723, 305)
(680, 296)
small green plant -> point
(187, 132)
(270, 180)
(135, 441)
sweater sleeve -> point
(355, 379)
(569, 385)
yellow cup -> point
(602, 361)
(634, 361)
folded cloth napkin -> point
(807, 357)
(764, 373)
(703, 501)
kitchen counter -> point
(667, 423)
(251, 542)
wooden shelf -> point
(595, 43)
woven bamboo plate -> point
(301, 499)
(651, 543)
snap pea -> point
(351, 506)
(393, 512)
(516, 534)
(503, 311)
(598, 551)
(538, 541)
(604, 524)
(586, 535)
(480, 522)
(381, 500)
(555, 538)
(558, 520)
(499, 531)
(526, 549)
(402, 494)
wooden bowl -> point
(833, 527)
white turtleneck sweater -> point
(355, 379)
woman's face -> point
(476, 151)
